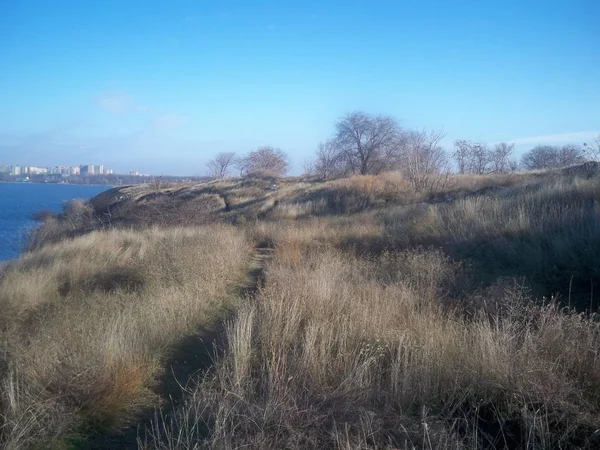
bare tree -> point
(157, 183)
(567, 155)
(500, 160)
(310, 168)
(240, 164)
(551, 157)
(266, 159)
(424, 161)
(462, 155)
(366, 142)
(220, 165)
(539, 157)
(592, 149)
(480, 159)
(330, 161)
(472, 157)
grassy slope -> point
(387, 319)
(87, 325)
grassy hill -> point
(349, 314)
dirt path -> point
(192, 358)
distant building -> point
(134, 173)
(59, 170)
(108, 171)
(32, 170)
(86, 169)
(91, 169)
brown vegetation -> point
(88, 324)
(458, 318)
(343, 352)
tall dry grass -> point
(547, 233)
(340, 351)
(88, 324)
(387, 319)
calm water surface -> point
(18, 201)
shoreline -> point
(20, 222)
(109, 186)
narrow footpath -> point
(192, 358)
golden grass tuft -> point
(89, 323)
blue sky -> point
(162, 86)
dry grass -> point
(378, 330)
(545, 233)
(237, 201)
(87, 324)
(387, 319)
(345, 352)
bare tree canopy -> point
(366, 142)
(500, 158)
(369, 144)
(539, 157)
(592, 149)
(552, 157)
(568, 155)
(462, 155)
(265, 159)
(479, 159)
(240, 163)
(423, 160)
(220, 164)
(330, 161)
(476, 158)
(471, 157)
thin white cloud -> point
(122, 103)
(169, 122)
(117, 102)
(577, 137)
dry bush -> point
(391, 186)
(545, 234)
(183, 209)
(263, 174)
(77, 217)
(355, 232)
(459, 186)
(344, 196)
(140, 207)
(88, 324)
(341, 351)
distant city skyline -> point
(164, 86)
(61, 169)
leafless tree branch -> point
(220, 165)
